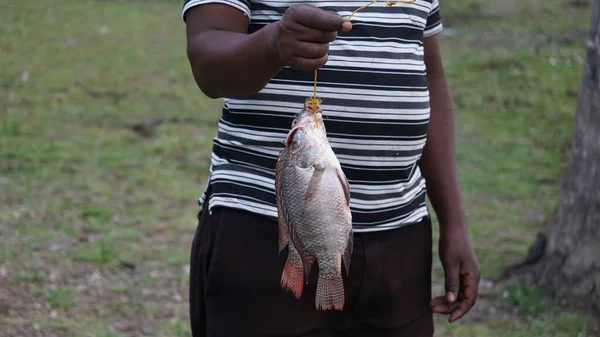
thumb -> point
(451, 275)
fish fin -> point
(314, 181)
(345, 185)
(292, 276)
(348, 253)
(282, 232)
(307, 262)
(283, 222)
(307, 259)
(283, 219)
(330, 291)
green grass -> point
(60, 298)
(96, 221)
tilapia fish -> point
(313, 198)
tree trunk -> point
(568, 251)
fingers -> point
(307, 64)
(463, 306)
(313, 17)
(311, 50)
(302, 47)
(465, 300)
(468, 295)
(451, 279)
(440, 305)
(305, 56)
(304, 33)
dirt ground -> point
(97, 216)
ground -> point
(97, 215)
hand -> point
(461, 272)
(304, 33)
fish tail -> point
(330, 293)
(292, 278)
(330, 285)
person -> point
(388, 114)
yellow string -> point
(315, 89)
(314, 101)
(389, 3)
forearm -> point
(438, 162)
(231, 64)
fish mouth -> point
(308, 106)
(292, 132)
(305, 118)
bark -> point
(565, 260)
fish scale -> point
(315, 222)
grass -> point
(60, 298)
(96, 221)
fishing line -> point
(314, 102)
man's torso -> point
(375, 106)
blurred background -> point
(105, 144)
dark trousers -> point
(236, 269)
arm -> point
(225, 59)
(438, 164)
(229, 62)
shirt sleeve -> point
(243, 5)
(434, 20)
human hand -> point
(461, 273)
(304, 34)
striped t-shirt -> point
(375, 107)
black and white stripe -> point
(376, 110)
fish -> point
(313, 211)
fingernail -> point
(450, 297)
(346, 26)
